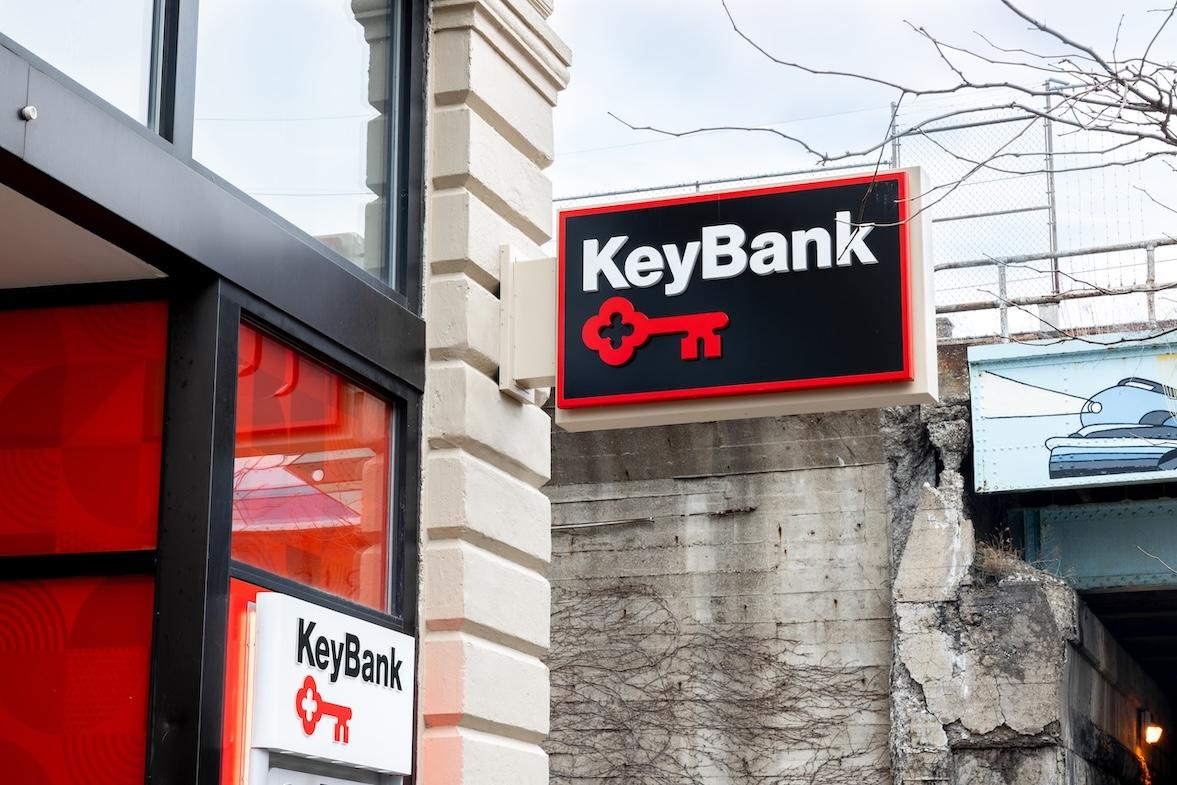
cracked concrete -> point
(996, 664)
(979, 656)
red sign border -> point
(906, 374)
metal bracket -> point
(527, 325)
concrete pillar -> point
(495, 69)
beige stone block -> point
(468, 152)
(463, 323)
(465, 235)
(376, 136)
(472, 500)
(516, 29)
(378, 70)
(375, 222)
(453, 755)
(474, 590)
(466, 409)
(478, 684)
(469, 70)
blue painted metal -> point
(1105, 546)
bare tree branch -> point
(1125, 104)
(1157, 34)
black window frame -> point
(171, 121)
(194, 554)
(192, 562)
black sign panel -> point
(799, 286)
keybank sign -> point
(347, 657)
(329, 686)
(797, 287)
(723, 254)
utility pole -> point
(895, 136)
(1051, 207)
(1050, 312)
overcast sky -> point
(678, 65)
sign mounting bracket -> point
(527, 325)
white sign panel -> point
(332, 687)
(1065, 414)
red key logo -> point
(310, 707)
(696, 329)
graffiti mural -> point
(1074, 413)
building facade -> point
(249, 391)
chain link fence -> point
(1035, 229)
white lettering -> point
(682, 266)
(723, 242)
(771, 254)
(643, 266)
(852, 244)
(597, 261)
(722, 252)
(817, 237)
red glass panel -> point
(235, 756)
(74, 662)
(310, 492)
(81, 419)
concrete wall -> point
(804, 599)
(721, 608)
(1104, 690)
(494, 72)
(999, 673)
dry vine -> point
(641, 696)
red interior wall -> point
(74, 659)
(81, 425)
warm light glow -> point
(1153, 733)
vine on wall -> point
(643, 695)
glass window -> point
(81, 423)
(311, 476)
(290, 108)
(75, 654)
(105, 46)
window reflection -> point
(289, 107)
(105, 46)
(310, 484)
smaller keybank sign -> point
(781, 293)
(331, 687)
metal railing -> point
(1002, 301)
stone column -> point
(495, 69)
